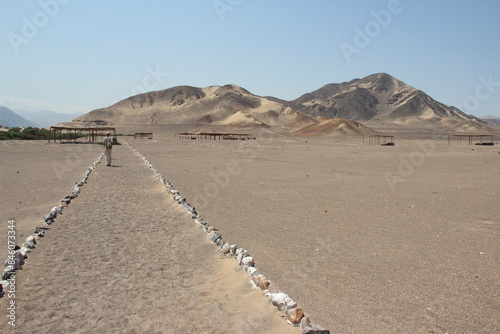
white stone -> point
(247, 261)
(278, 298)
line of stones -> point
(293, 314)
(18, 254)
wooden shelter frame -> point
(91, 133)
(471, 138)
(38, 136)
(214, 136)
(148, 135)
(380, 140)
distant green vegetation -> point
(30, 133)
(26, 133)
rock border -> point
(293, 313)
(18, 254)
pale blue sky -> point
(79, 55)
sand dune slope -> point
(333, 128)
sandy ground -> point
(124, 258)
(367, 239)
(34, 177)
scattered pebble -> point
(39, 232)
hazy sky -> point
(79, 55)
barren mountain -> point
(46, 118)
(214, 105)
(10, 119)
(378, 101)
(228, 105)
(382, 99)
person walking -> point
(108, 146)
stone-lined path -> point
(124, 258)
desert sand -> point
(122, 258)
(367, 239)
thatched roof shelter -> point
(69, 131)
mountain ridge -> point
(215, 105)
(9, 118)
(377, 97)
(46, 118)
(491, 119)
(373, 100)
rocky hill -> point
(382, 99)
(214, 105)
(378, 101)
(228, 105)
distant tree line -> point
(28, 133)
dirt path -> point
(124, 258)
